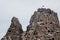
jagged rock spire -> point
(15, 30)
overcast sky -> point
(23, 10)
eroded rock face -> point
(44, 25)
(15, 30)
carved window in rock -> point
(51, 23)
(52, 38)
(9, 30)
(45, 27)
(48, 31)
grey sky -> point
(22, 9)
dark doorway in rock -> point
(52, 38)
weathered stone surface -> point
(15, 30)
(44, 25)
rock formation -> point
(44, 25)
(15, 30)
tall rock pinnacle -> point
(15, 30)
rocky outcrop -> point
(44, 25)
(15, 30)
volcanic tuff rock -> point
(44, 25)
(15, 30)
